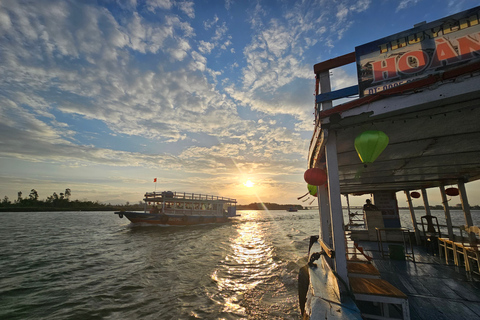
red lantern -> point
(452, 192)
(415, 195)
(315, 176)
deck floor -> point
(435, 290)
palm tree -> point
(33, 195)
(6, 200)
(68, 193)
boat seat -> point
(356, 257)
(362, 269)
(382, 292)
(470, 249)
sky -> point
(211, 97)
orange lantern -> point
(315, 176)
(415, 195)
(452, 192)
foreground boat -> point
(420, 89)
(180, 208)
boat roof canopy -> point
(182, 196)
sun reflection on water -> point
(248, 263)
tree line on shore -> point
(59, 202)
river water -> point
(93, 265)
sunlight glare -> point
(248, 184)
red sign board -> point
(427, 49)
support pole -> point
(414, 220)
(336, 212)
(324, 211)
(324, 81)
(465, 205)
(430, 227)
(466, 209)
(425, 202)
(446, 209)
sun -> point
(248, 184)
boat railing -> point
(167, 195)
(444, 230)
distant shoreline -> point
(252, 206)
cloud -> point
(77, 79)
(405, 4)
(205, 47)
(187, 8)
(94, 75)
(152, 5)
(207, 24)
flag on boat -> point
(155, 180)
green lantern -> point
(370, 144)
(312, 190)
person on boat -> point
(369, 206)
(154, 209)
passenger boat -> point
(292, 209)
(421, 89)
(180, 208)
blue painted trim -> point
(337, 94)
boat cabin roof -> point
(183, 196)
(433, 125)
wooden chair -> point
(470, 248)
(431, 234)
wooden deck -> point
(435, 290)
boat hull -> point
(170, 219)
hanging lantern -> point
(370, 144)
(315, 176)
(452, 192)
(415, 195)
(312, 190)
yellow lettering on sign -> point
(383, 48)
(433, 33)
(468, 22)
(415, 38)
(450, 26)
